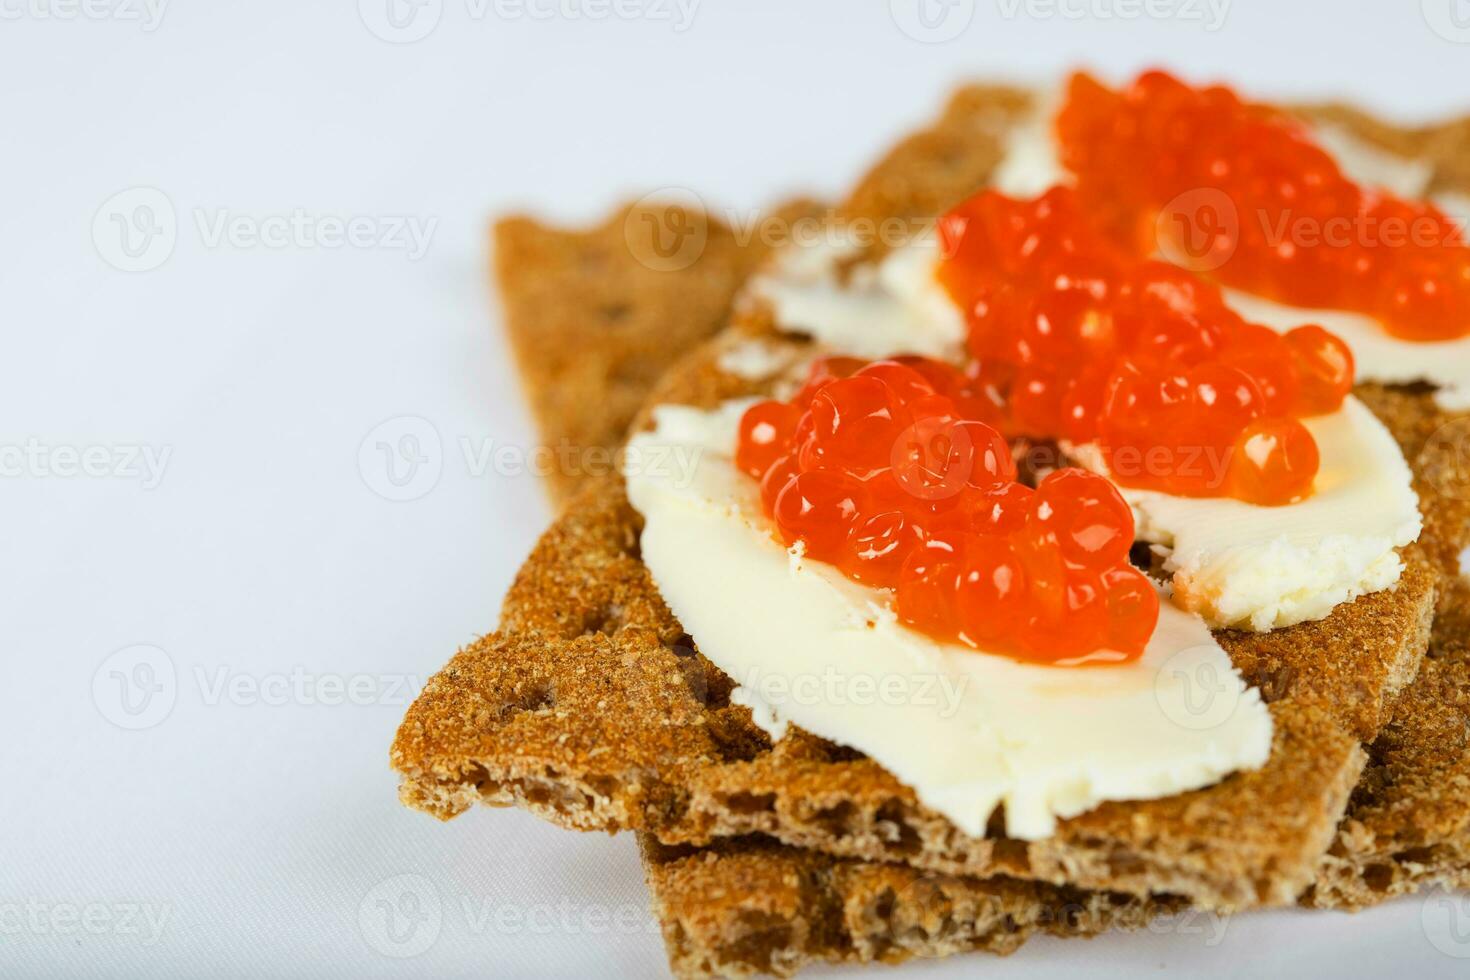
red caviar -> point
(1241, 191)
(888, 471)
(1075, 338)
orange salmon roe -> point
(1242, 192)
(887, 471)
(1075, 338)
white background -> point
(258, 824)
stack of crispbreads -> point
(591, 707)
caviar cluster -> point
(887, 471)
(1246, 192)
(1075, 338)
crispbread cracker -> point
(1370, 858)
(596, 317)
(584, 629)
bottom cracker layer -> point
(753, 906)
